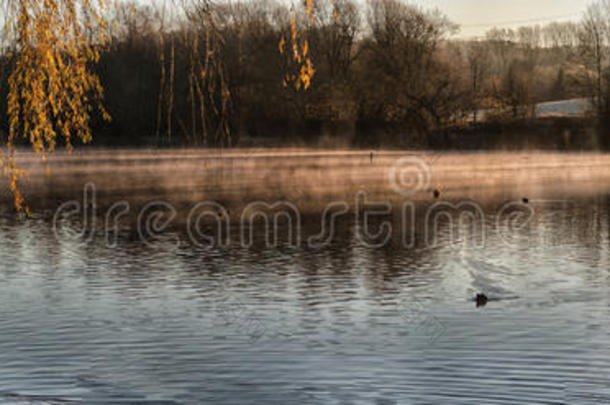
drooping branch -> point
(51, 86)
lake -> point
(314, 277)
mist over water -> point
(308, 178)
(166, 322)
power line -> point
(514, 22)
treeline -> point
(224, 74)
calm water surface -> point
(343, 324)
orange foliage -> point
(51, 89)
(300, 59)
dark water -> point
(343, 324)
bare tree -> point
(337, 26)
(402, 61)
(478, 62)
(593, 43)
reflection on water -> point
(346, 323)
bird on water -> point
(481, 300)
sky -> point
(477, 16)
